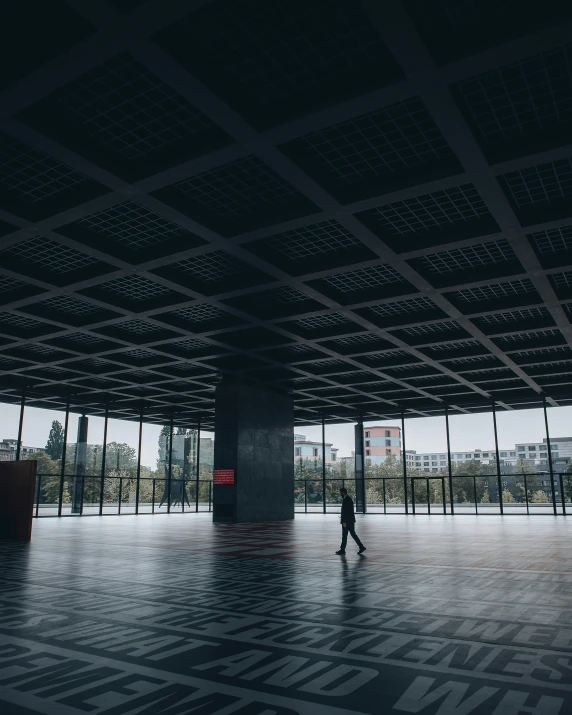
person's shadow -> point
(350, 580)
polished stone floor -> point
(170, 614)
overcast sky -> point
(468, 432)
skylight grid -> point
(364, 278)
(432, 211)
(127, 108)
(522, 97)
(457, 345)
(522, 314)
(445, 326)
(19, 321)
(554, 240)
(132, 225)
(285, 296)
(379, 143)
(403, 307)
(69, 305)
(492, 292)
(562, 280)
(33, 175)
(310, 241)
(239, 189)
(469, 257)
(321, 321)
(55, 257)
(528, 336)
(540, 185)
(138, 327)
(211, 267)
(199, 313)
(135, 288)
(8, 284)
(357, 340)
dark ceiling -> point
(367, 203)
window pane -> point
(475, 487)
(559, 423)
(526, 477)
(427, 465)
(308, 485)
(121, 456)
(43, 440)
(384, 467)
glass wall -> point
(473, 455)
(42, 440)
(340, 464)
(308, 473)
(172, 466)
(151, 472)
(81, 493)
(560, 427)
(184, 470)
(121, 460)
(206, 466)
(525, 469)
(427, 465)
(384, 466)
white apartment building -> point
(535, 452)
(8, 448)
(437, 461)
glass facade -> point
(472, 464)
(91, 464)
(95, 465)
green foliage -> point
(507, 497)
(48, 471)
(55, 443)
(538, 497)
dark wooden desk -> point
(17, 487)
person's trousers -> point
(352, 530)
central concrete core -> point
(255, 437)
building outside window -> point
(387, 433)
(367, 453)
(367, 434)
(315, 451)
(388, 443)
(367, 443)
(387, 452)
(297, 451)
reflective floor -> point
(170, 614)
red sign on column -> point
(223, 476)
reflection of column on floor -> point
(80, 462)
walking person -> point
(348, 520)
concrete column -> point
(254, 435)
(80, 464)
(360, 500)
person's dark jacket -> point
(348, 516)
